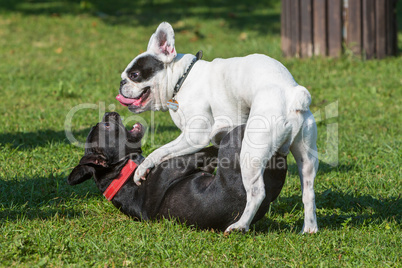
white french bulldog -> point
(217, 96)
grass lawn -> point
(57, 55)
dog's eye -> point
(134, 75)
(107, 125)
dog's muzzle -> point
(122, 83)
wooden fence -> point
(328, 27)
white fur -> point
(224, 93)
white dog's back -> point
(242, 77)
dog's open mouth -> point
(137, 128)
(138, 131)
(134, 101)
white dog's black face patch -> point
(144, 68)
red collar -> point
(116, 184)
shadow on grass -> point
(336, 210)
(28, 140)
(239, 14)
(41, 198)
(44, 198)
(323, 168)
(167, 128)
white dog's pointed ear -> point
(161, 43)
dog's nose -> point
(113, 114)
(123, 82)
(110, 114)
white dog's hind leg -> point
(304, 150)
(264, 134)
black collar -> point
(177, 87)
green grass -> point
(57, 55)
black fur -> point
(146, 67)
(182, 187)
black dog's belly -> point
(205, 201)
(200, 201)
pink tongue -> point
(126, 101)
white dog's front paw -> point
(140, 173)
(236, 227)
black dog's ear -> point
(85, 170)
(80, 174)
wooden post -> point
(392, 32)
(354, 31)
(320, 33)
(334, 11)
(380, 29)
(295, 28)
(321, 27)
(368, 19)
(306, 49)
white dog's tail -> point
(300, 99)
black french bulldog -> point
(184, 187)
